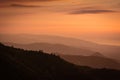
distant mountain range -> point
(74, 55)
(107, 50)
(53, 48)
(94, 61)
(20, 64)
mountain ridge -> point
(92, 61)
(73, 55)
(107, 50)
(53, 48)
(20, 64)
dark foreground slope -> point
(19, 64)
(74, 55)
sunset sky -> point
(92, 20)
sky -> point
(92, 20)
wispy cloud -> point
(23, 5)
(23, 0)
(10, 14)
(91, 10)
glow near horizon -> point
(54, 19)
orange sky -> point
(96, 22)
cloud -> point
(23, 0)
(10, 14)
(90, 10)
(22, 5)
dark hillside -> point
(19, 64)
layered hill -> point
(19, 64)
(95, 61)
(53, 48)
(111, 51)
(74, 55)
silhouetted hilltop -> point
(19, 64)
(53, 48)
(74, 55)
